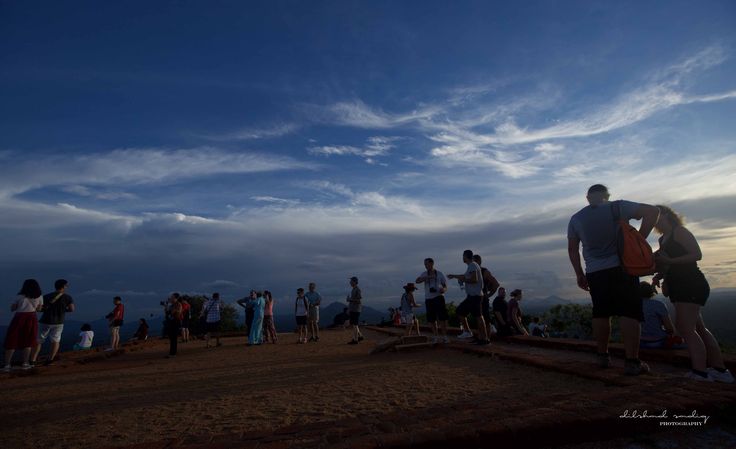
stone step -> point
(414, 346)
(409, 340)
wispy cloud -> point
(376, 146)
(137, 166)
(256, 133)
(517, 150)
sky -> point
(151, 147)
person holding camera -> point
(115, 319)
(173, 313)
(435, 286)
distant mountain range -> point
(369, 315)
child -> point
(85, 338)
(300, 310)
(115, 319)
(407, 309)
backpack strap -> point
(616, 210)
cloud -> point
(376, 146)
(112, 293)
(100, 195)
(135, 166)
(476, 130)
(275, 200)
(270, 132)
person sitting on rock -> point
(657, 330)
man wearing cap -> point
(355, 306)
(408, 304)
(435, 286)
(612, 290)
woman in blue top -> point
(256, 329)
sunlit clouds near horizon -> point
(266, 145)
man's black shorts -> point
(615, 293)
(471, 306)
(436, 309)
(213, 327)
(354, 318)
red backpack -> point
(637, 258)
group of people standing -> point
(616, 292)
(479, 285)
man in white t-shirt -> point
(473, 281)
(435, 286)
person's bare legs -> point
(482, 330)
(26, 355)
(36, 352)
(9, 356)
(443, 325)
(686, 322)
(602, 333)
(54, 350)
(115, 337)
(714, 358)
(631, 333)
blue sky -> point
(202, 146)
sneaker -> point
(726, 377)
(7, 368)
(635, 368)
(697, 377)
(353, 342)
(316, 339)
(50, 362)
(465, 334)
(604, 360)
(361, 338)
(109, 349)
(445, 339)
(26, 366)
(311, 338)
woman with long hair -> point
(677, 263)
(23, 329)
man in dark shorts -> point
(473, 281)
(613, 291)
(355, 306)
(500, 312)
(490, 285)
(55, 307)
(435, 286)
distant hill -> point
(327, 313)
(537, 306)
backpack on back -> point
(637, 258)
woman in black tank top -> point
(687, 288)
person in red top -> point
(173, 313)
(186, 315)
(116, 321)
